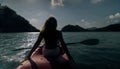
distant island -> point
(110, 28)
(10, 21)
(72, 28)
(77, 28)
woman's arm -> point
(64, 46)
(35, 45)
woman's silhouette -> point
(53, 40)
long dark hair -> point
(50, 24)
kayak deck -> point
(38, 61)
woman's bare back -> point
(51, 39)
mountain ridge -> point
(10, 21)
(109, 28)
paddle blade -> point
(90, 42)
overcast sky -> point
(86, 13)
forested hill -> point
(10, 21)
(77, 28)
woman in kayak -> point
(53, 40)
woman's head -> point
(50, 24)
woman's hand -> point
(62, 51)
(26, 58)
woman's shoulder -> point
(58, 31)
(42, 33)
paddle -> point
(85, 42)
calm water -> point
(105, 55)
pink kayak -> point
(38, 61)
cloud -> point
(83, 20)
(31, 1)
(114, 17)
(96, 1)
(34, 20)
(87, 24)
(57, 3)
